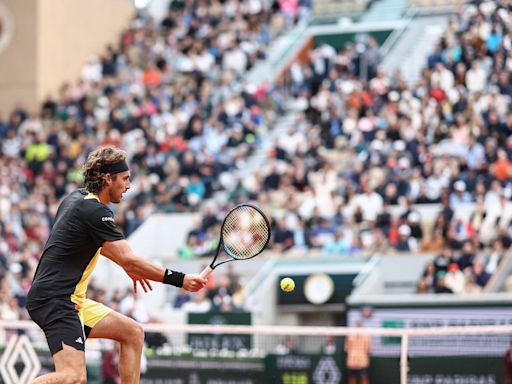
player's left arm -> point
(144, 283)
(106, 234)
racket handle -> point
(206, 272)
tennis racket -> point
(244, 234)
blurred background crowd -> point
(350, 177)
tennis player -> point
(85, 228)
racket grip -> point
(206, 272)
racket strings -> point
(245, 232)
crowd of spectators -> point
(222, 294)
(172, 94)
(351, 175)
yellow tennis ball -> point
(287, 284)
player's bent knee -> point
(138, 333)
(134, 333)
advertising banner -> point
(301, 369)
(204, 371)
(208, 341)
(304, 369)
(447, 345)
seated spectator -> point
(455, 279)
(301, 235)
(406, 243)
(187, 251)
(428, 278)
(376, 243)
(458, 233)
(478, 271)
(323, 233)
(493, 260)
(414, 222)
(200, 303)
(422, 287)
(282, 236)
(442, 261)
(459, 194)
(222, 295)
(467, 256)
(181, 298)
(471, 287)
(339, 245)
(434, 241)
(441, 283)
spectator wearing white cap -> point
(414, 222)
(459, 194)
(406, 243)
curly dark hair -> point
(93, 178)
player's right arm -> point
(120, 252)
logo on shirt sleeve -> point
(107, 218)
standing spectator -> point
(358, 349)
(373, 57)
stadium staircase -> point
(408, 48)
(280, 52)
(501, 279)
(279, 129)
(384, 10)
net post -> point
(404, 365)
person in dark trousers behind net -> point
(508, 364)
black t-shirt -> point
(81, 227)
